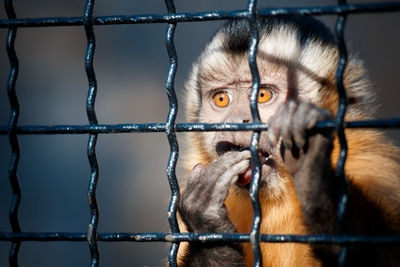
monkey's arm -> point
(307, 157)
(202, 209)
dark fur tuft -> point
(237, 32)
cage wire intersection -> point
(170, 127)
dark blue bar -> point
(12, 134)
(202, 16)
(255, 161)
(341, 112)
(209, 237)
(91, 148)
(170, 131)
(182, 127)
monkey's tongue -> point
(245, 178)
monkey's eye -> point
(221, 99)
(264, 95)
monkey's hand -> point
(202, 209)
(306, 154)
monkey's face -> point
(226, 99)
(219, 87)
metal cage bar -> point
(341, 112)
(194, 237)
(203, 16)
(255, 160)
(170, 127)
(12, 134)
(170, 131)
(182, 127)
(91, 148)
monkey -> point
(299, 192)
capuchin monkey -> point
(299, 192)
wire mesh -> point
(170, 127)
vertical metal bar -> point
(170, 131)
(91, 148)
(12, 134)
(255, 161)
(342, 107)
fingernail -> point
(197, 168)
(288, 143)
(300, 142)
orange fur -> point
(281, 216)
(372, 165)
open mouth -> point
(244, 178)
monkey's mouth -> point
(245, 177)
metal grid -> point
(342, 10)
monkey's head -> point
(296, 58)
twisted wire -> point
(203, 16)
(12, 134)
(170, 131)
(201, 237)
(255, 160)
(342, 107)
(91, 148)
(392, 123)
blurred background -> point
(131, 64)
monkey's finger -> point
(312, 119)
(231, 176)
(214, 192)
(274, 129)
(222, 166)
(286, 122)
(223, 163)
(299, 124)
(221, 188)
(273, 133)
(197, 171)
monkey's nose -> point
(239, 117)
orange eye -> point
(264, 95)
(221, 99)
